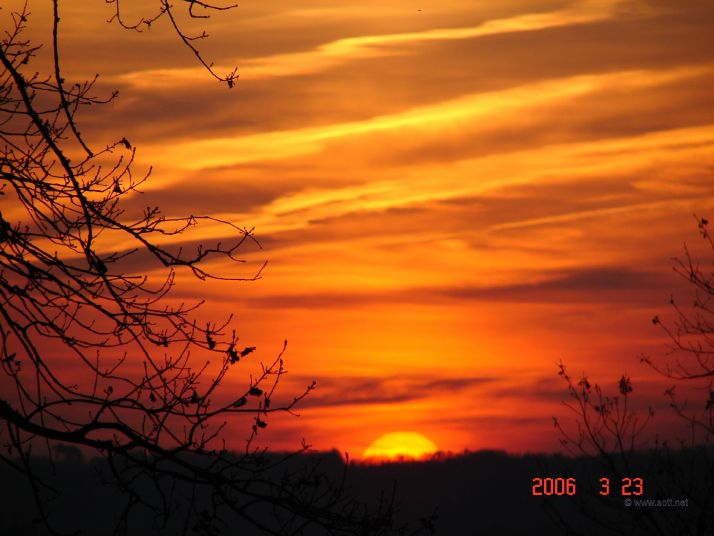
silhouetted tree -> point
(611, 432)
(691, 335)
(97, 353)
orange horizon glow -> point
(451, 198)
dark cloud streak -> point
(606, 284)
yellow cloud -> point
(498, 106)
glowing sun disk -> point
(397, 445)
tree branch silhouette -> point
(193, 9)
(691, 336)
(611, 432)
(98, 356)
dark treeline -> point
(480, 493)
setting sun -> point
(398, 445)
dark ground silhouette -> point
(485, 492)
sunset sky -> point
(451, 196)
